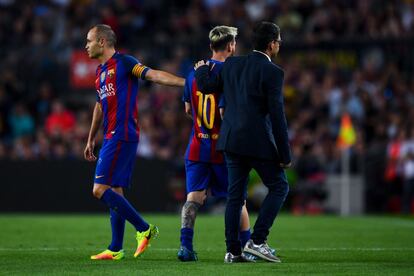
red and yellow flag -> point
(347, 135)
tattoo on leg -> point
(189, 213)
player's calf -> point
(188, 217)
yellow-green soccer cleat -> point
(109, 255)
(144, 239)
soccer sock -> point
(244, 236)
(187, 238)
(118, 229)
(124, 209)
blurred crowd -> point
(43, 117)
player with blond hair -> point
(205, 167)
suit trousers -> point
(273, 177)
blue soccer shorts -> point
(115, 163)
(201, 176)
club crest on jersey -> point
(111, 73)
(102, 76)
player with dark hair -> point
(116, 83)
(205, 167)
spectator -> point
(60, 121)
(21, 122)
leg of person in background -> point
(244, 234)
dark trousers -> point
(273, 178)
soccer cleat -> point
(230, 258)
(261, 250)
(144, 239)
(109, 255)
(186, 255)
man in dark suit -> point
(253, 135)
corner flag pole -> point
(345, 208)
(346, 139)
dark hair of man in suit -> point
(263, 34)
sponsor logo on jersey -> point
(106, 90)
(207, 136)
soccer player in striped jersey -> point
(116, 84)
(205, 167)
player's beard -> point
(95, 54)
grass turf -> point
(62, 244)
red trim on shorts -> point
(113, 163)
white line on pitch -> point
(219, 250)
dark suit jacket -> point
(254, 122)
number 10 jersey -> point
(206, 119)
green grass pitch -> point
(62, 244)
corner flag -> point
(347, 136)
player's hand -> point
(285, 166)
(88, 153)
(201, 63)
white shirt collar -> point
(263, 54)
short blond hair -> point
(221, 35)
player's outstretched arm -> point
(96, 123)
(164, 78)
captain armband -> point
(140, 70)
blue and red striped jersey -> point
(206, 120)
(117, 88)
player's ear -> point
(270, 46)
(101, 42)
(228, 47)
